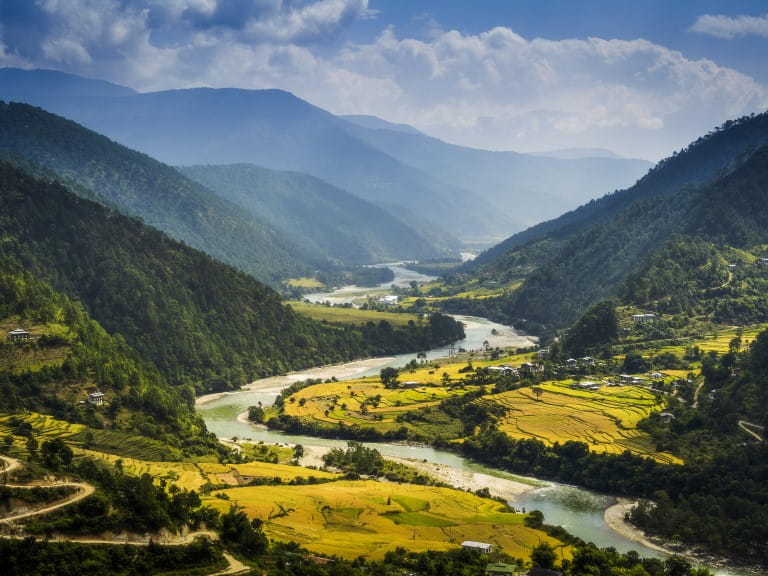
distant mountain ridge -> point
(329, 222)
(157, 193)
(429, 184)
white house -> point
(484, 547)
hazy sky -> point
(640, 77)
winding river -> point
(578, 510)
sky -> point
(642, 78)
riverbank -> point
(340, 371)
(616, 519)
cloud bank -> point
(728, 27)
(495, 89)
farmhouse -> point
(528, 368)
(483, 547)
(586, 385)
(643, 318)
(388, 300)
(666, 417)
(410, 384)
(96, 398)
(18, 335)
(504, 369)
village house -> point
(666, 417)
(18, 335)
(96, 398)
(483, 547)
(388, 300)
(504, 370)
(643, 318)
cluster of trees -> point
(32, 557)
(356, 459)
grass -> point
(354, 316)
(368, 518)
(304, 283)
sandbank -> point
(615, 518)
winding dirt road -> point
(84, 490)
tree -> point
(597, 327)
(256, 414)
(543, 556)
(538, 391)
(389, 377)
(247, 536)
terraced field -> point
(367, 518)
(366, 402)
(606, 419)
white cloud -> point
(495, 89)
(729, 27)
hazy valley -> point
(162, 246)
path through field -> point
(234, 566)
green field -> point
(355, 316)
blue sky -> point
(642, 78)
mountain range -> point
(441, 190)
(711, 192)
(252, 239)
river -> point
(578, 510)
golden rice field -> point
(368, 518)
(366, 402)
(605, 419)
(194, 475)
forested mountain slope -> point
(712, 155)
(202, 323)
(572, 267)
(156, 193)
(329, 222)
(69, 355)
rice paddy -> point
(368, 518)
(606, 419)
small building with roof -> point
(483, 547)
(18, 335)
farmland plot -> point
(605, 419)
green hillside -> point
(586, 260)
(328, 221)
(68, 355)
(201, 322)
(140, 186)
